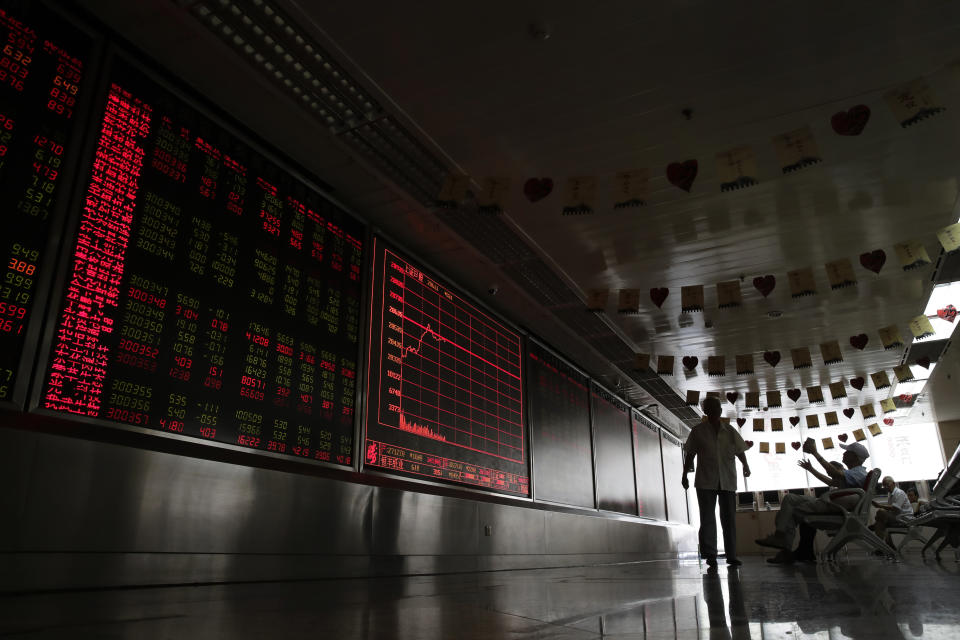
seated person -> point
(915, 502)
(793, 508)
(890, 514)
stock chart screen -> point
(209, 293)
(43, 76)
(616, 490)
(649, 469)
(671, 452)
(558, 406)
(445, 398)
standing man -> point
(715, 445)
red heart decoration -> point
(888, 422)
(857, 383)
(794, 420)
(905, 397)
(690, 362)
(852, 121)
(741, 422)
(848, 413)
(794, 394)
(749, 443)
(948, 313)
(924, 362)
(682, 174)
(764, 284)
(796, 445)
(859, 341)
(873, 260)
(842, 437)
(659, 295)
(537, 188)
(732, 397)
(772, 357)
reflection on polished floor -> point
(861, 597)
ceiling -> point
(604, 93)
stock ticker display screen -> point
(558, 401)
(445, 396)
(613, 441)
(209, 293)
(649, 469)
(43, 76)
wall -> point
(950, 436)
(93, 514)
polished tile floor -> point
(861, 597)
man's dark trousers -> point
(708, 498)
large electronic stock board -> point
(445, 397)
(613, 442)
(44, 75)
(209, 292)
(558, 402)
(648, 463)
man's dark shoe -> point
(711, 561)
(734, 562)
(782, 557)
(776, 540)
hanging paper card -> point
(838, 390)
(827, 443)
(912, 255)
(693, 397)
(776, 424)
(597, 299)
(641, 362)
(949, 237)
(744, 364)
(737, 169)
(815, 395)
(813, 421)
(691, 298)
(773, 399)
(713, 394)
(781, 447)
(764, 447)
(887, 405)
(859, 435)
(796, 149)
(717, 366)
(453, 191)
(867, 411)
(874, 429)
(579, 196)
(903, 372)
(801, 358)
(921, 328)
(840, 273)
(801, 282)
(880, 380)
(728, 294)
(493, 194)
(831, 418)
(630, 188)
(913, 102)
(890, 337)
(629, 301)
(831, 352)
(758, 424)
(752, 400)
(665, 365)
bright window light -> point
(941, 296)
(922, 374)
(913, 387)
(942, 329)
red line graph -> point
(448, 372)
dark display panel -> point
(445, 397)
(613, 441)
(558, 409)
(649, 469)
(209, 293)
(43, 75)
(672, 456)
